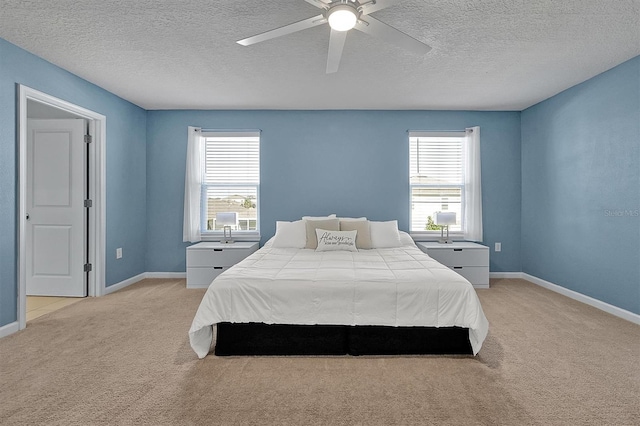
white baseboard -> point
(125, 283)
(613, 310)
(13, 327)
(603, 306)
(10, 328)
(505, 275)
(177, 275)
(142, 276)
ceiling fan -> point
(342, 16)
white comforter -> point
(391, 287)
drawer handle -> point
(217, 249)
(457, 267)
(217, 267)
(457, 249)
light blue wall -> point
(555, 177)
(125, 163)
(353, 163)
(581, 188)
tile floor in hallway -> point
(40, 305)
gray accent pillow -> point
(312, 225)
(363, 238)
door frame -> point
(97, 190)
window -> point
(436, 178)
(445, 175)
(231, 181)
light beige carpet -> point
(125, 359)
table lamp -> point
(227, 219)
(444, 219)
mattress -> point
(396, 287)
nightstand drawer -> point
(215, 257)
(477, 275)
(207, 260)
(202, 277)
(460, 256)
(471, 260)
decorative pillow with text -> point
(336, 240)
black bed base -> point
(279, 339)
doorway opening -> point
(38, 306)
(88, 251)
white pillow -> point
(384, 234)
(336, 240)
(406, 240)
(331, 216)
(290, 234)
(352, 219)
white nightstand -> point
(205, 261)
(471, 260)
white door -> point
(56, 216)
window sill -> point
(435, 236)
(234, 237)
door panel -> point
(51, 250)
(55, 234)
(51, 183)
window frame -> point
(430, 235)
(237, 235)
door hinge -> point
(88, 267)
(88, 139)
(88, 203)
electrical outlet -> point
(498, 247)
(119, 253)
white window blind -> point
(436, 177)
(231, 179)
(436, 160)
(232, 159)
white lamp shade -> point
(444, 218)
(227, 218)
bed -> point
(299, 301)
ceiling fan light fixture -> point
(342, 17)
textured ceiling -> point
(181, 54)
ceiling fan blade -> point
(336, 44)
(379, 29)
(376, 5)
(287, 29)
(322, 4)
